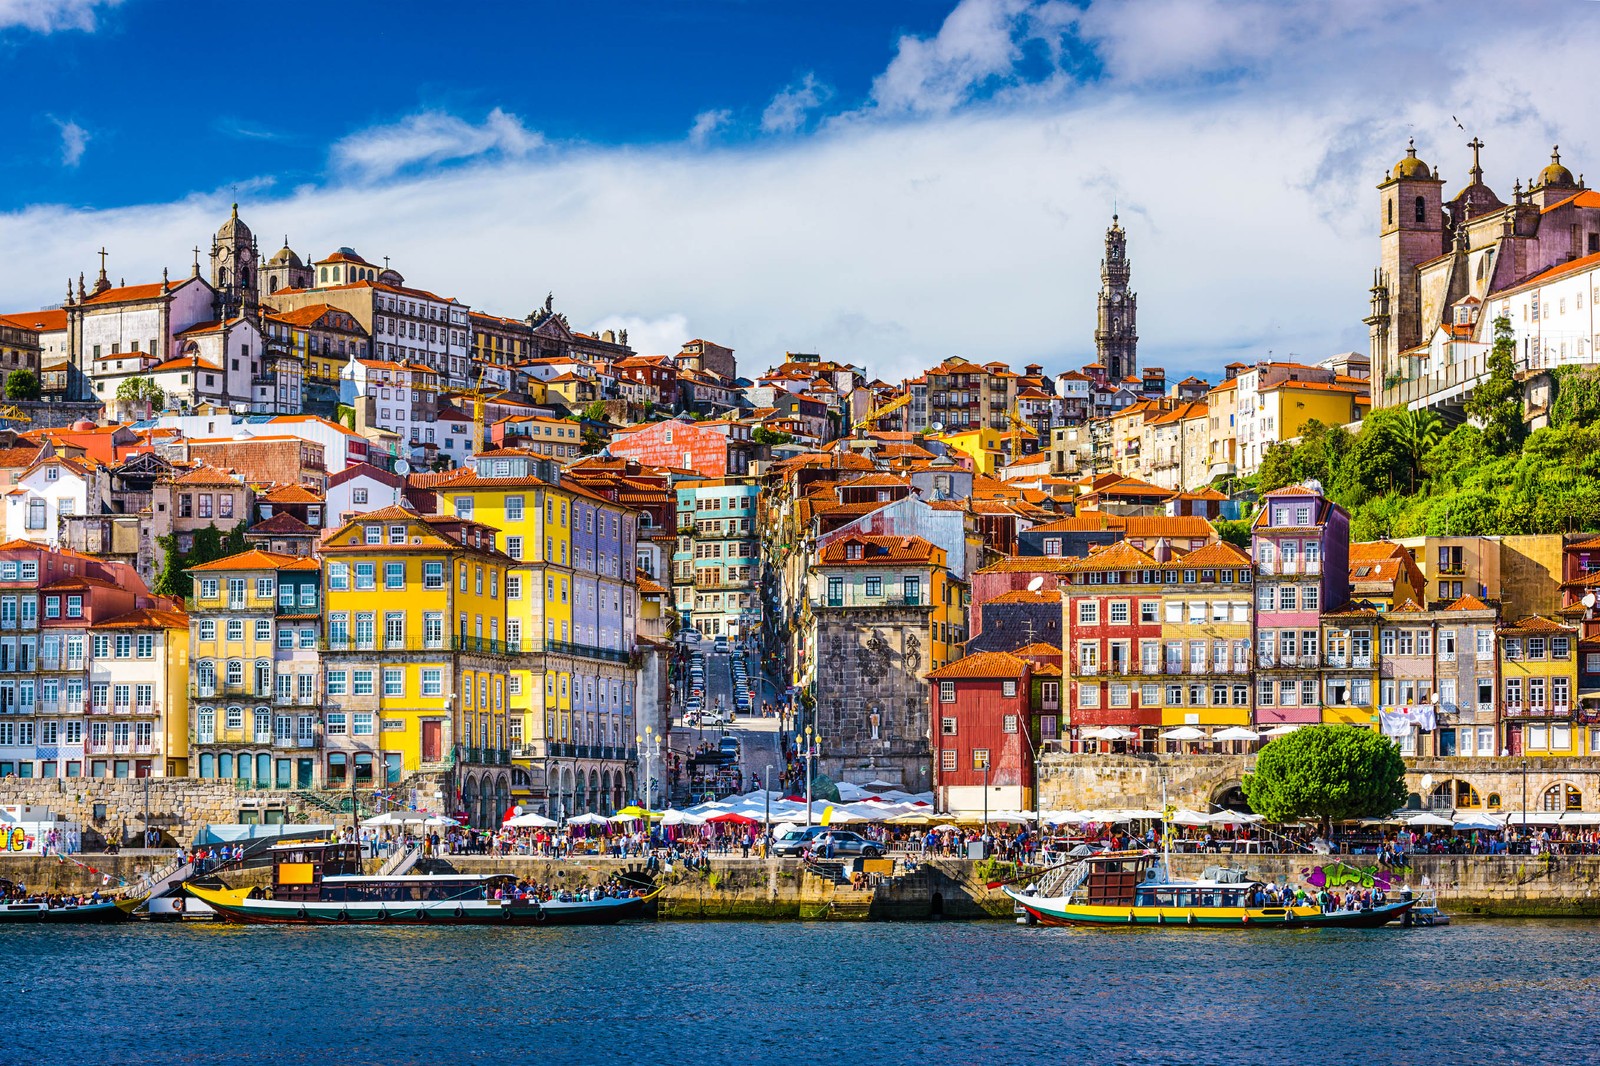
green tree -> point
(1329, 772)
(1277, 467)
(22, 384)
(1234, 531)
(596, 411)
(210, 544)
(1496, 403)
(1577, 399)
(763, 435)
(1418, 433)
(141, 394)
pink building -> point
(1302, 556)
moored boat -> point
(321, 884)
(58, 911)
(1133, 889)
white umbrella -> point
(1580, 818)
(531, 821)
(385, 819)
(1430, 819)
(1478, 821)
(1234, 818)
(1236, 732)
(1185, 732)
(1279, 730)
(587, 819)
(1110, 732)
(677, 817)
(1187, 817)
(438, 820)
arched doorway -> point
(1231, 797)
(616, 792)
(502, 799)
(579, 795)
(469, 799)
(605, 794)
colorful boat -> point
(319, 883)
(1133, 889)
(13, 909)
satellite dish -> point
(1036, 584)
(1588, 600)
(1427, 782)
(937, 427)
(402, 467)
(1434, 698)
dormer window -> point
(852, 551)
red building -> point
(684, 445)
(1106, 620)
(992, 711)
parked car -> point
(795, 840)
(840, 843)
(720, 645)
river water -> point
(746, 994)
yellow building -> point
(989, 449)
(1350, 674)
(416, 653)
(1539, 688)
(1203, 652)
(232, 644)
(140, 666)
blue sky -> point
(885, 182)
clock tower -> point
(1116, 334)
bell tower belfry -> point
(234, 260)
(1116, 332)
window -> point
(1088, 612)
(1119, 612)
(1008, 689)
(947, 760)
(432, 681)
(433, 575)
(394, 574)
(394, 681)
(947, 694)
(367, 574)
(338, 577)
(361, 682)
(947, 726)
(980, 758)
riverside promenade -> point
(942, 888)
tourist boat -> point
(1427, 912)
(320, 883)
(1131, 888)
(38, 911)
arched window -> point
(324, 273)
(1422, 210)
(208, 765)
(1391, 212)
(335, 273)
(1466, 795)
(1562, 798)
(222, 276)
(1494, 801)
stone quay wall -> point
(1080, 782)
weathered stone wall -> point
(1077, 782)
(871, 661)
(113, 809)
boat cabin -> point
(1192, 896)
(299, 869)
(1113, 877)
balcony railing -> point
(863, 599)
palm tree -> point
(1419, 432)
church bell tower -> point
(1116, 333)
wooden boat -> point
(1132, 889)
(38, 911)
(318, 883)
(1427, 912)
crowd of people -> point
(612, 888)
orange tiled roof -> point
(982, 666)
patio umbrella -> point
(588, 819)
(1430, 819)
(1279, 730)
(1236, 732)
(531, 821)
(1184, 732)
(1110, 732)
(1478, 821)
(1190, 818)
(1234, 818)
(731, 818)
(677, 817)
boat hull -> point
(88, 914)
(1060, 912)
(237, 905)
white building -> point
(52, 488)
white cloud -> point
(706, 124)
(48, 16)
(432, 137)
(647, 336)
(1244, 175)
(789, 109)
(979, 43)
(74, 139)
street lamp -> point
(650, 746)
(984, 758)
(811, 749)
(766, 830)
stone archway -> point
(469, 799)
(1230, 797)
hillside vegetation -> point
(1407, 474)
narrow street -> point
(760, 751)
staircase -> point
(829, 870)
(401, 862)
(1063, 880)
(165, 882)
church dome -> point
(1555, 173)
(233, 229)
(286, 257)
(1411, 167)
